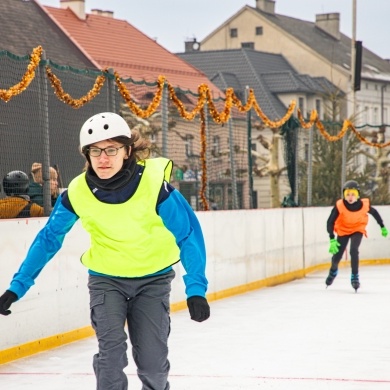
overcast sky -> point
(172, 22)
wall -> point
(244, 248)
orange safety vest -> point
(349, 222)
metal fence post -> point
(44, 109)
(164, 118)
(111, 90)
(208, 152)
(232, 166)
(310, 170)
(249, 140)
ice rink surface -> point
(295, 336)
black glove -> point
(199, 308)
(6, 300)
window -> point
(259, 30)
(180, 95)
(248, 45)
(375, 118)
(359, 116)
(306, 152)
(216, 146)
(301, 105)
(233, 33)
(365, 115)
(189, 144)
(318, 107)
(240, 94)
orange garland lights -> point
(347, 124)
(66, 98)
(7, 94)
(137, 110)
(204, 98)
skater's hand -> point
(384, 232)
(334, 246)
(199, 308)
(6, 300)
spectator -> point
(139, 226)
(36, 184)
(17, 203)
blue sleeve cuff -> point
(179, 218)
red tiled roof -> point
(117, 44)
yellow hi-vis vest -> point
(127, 239)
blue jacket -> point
(172, 207)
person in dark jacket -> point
(349, 218)
(17, 203)
(139, 227)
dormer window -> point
(248, 45)
(233, 33)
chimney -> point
(267, 6)
(107, 14)
(77, 6)
(192, 45)
(330, 23)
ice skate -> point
(329, 280)
(355, 281)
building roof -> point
(24, 26)
(239, 68)
(337, 51)
(114, 43)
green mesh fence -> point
(36, 126)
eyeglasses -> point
(110, 151)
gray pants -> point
(144, 304)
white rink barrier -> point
(244, 248)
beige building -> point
(317, 48)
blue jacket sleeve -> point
(45, 245)
(179, 218)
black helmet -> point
(16, 183)
(351, 185)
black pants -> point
(356, 239)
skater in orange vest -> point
(349, 219)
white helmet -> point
(100, 127)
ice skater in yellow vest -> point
(349, 219)
(139, 227)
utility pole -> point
(352, 104)
(353, 58)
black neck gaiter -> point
(118, 181)
(354, 206)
